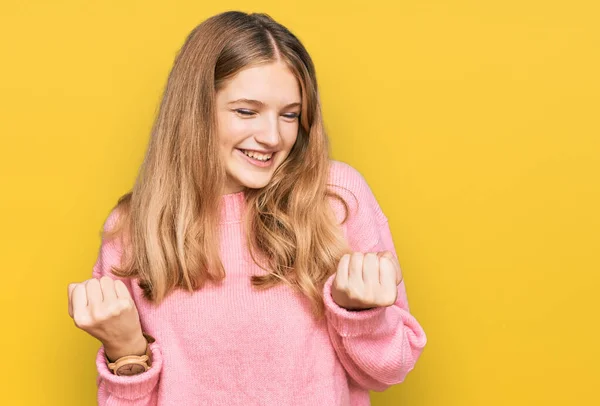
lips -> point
(261, 156)
(257, 162)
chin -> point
(250, 181)
(255, 185)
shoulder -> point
(364, 212)
(112, 220)
(345, 175)
(116, 223)
(113, 243)
(351, 185)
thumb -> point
(390, 256)
(70, 289)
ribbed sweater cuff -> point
(351, 323)
(130, 387)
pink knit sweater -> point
(232, 345)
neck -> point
(232, 207)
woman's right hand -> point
(104, 309)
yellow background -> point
(475, 122)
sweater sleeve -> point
(377, 347)
(113, 390)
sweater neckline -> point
(232, 207)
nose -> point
(269, 132)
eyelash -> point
(249, 113)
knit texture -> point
(229, 344)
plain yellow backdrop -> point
(476, 123)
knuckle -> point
(385, 262)
(391, 298)
(98, 314)
(358, 255)
(113, 310)
(353, 294)
(382, 302)
(370, 255)
(82, 320)
(368, 299)
(125, 304)
(106, 281)
(119, 284)
(338, 285)
(79, 286)
(370, 259)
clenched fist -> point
(365, 281)
(104, 309)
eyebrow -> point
(261, 104)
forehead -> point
(269, 83)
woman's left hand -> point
(365, 281)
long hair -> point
(169, 221)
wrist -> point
(136, 346)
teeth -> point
(256, 155)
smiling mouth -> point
(258, 156)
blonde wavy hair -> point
(169, 220)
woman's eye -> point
(244, 112)
(292, 116)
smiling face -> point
(257, 116)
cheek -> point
(289, 134)
(231, 131)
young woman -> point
(245, 267)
